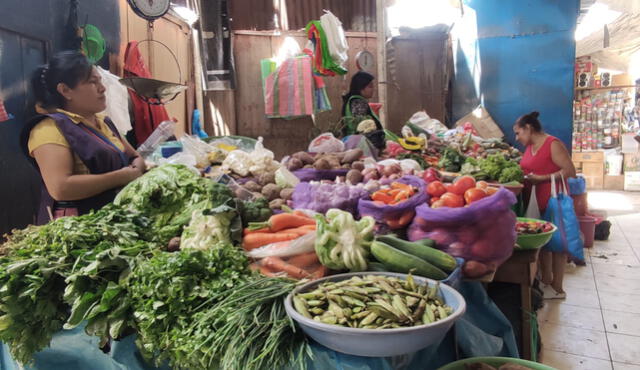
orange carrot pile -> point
(280, 231)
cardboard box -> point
(593, 157)
(614, 182)
(632, 181)
(593, 175)
(631, 162)
(483, 123)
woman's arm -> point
(137, 162)
(56, 167)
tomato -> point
(474, 194)
(491, 190)
(452, 200)
(482, 185)
(449, 188)
(437, 204)
(433, 200)
(436, 189)
(462, 184)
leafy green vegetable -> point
(342, 242)
(451, 160)
(499, 168)
(88, 251)
(168, 290)
(255, 211)
(249, 329)
(209, 227)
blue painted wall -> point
(516, 56)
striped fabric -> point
(289, 91)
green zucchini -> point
(399, 261)
(423, 249)
(377, 266)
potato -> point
(277, 203)
(354, 177)
(286, 193)
(174, 244)
(308, 166)
(304, 157)
(346, 166)
(358, 165)
(253, 186)
(257, 195)
(294, 164)
(352, 155)
(271, 191)
(267, 178)
(322, 164)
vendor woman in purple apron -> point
(79, 153)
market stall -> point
(221, 256)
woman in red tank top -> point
(545, 157)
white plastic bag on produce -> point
(238, 162)
(198, 148)
(286, 179)
(262, 160)
(432, 125)
(410, 164)
(303, 244)
(326, 143)
(336, 39)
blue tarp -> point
(515, 57)
(483, 331)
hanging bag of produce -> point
(560, 212)
(394, 208)
(482, 233)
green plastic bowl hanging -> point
(93, 44)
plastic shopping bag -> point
(533, 211)
(560, 212)
(326, 143)
(295, 259)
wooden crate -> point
(614, 182)
(591, 165)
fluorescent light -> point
(597, 17)
(186, 14)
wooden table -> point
(521, 269)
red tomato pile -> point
(464, 191)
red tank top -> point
(539, 163)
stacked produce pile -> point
(199, 268)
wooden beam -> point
(381, 30)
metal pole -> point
(381, 28)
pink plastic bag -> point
(484, 231)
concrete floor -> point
(597, 327)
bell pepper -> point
(431, 175)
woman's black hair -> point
(359, 81)
(530, 119)
(67, 67)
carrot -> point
(283, 221)
(321, 271)
(256, 240)
(298, 230)
(248, 231)
(310, 227)
(277, 264)
(304, 260)
(263, 270)
(300, 213)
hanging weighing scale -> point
(152, 91)
(365, 61)
(150, 9)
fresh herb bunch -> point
(168, 290)
(37, 261)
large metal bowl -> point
(377, 342)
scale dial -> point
(365, 61)
(150, 9)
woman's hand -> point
(138, 162)
(536, 179)
(130, 173)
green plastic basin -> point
(496, 362)
(533, 241)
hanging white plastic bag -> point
(326, 143)
(117, 101)
(336, 39)
(533, 211)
